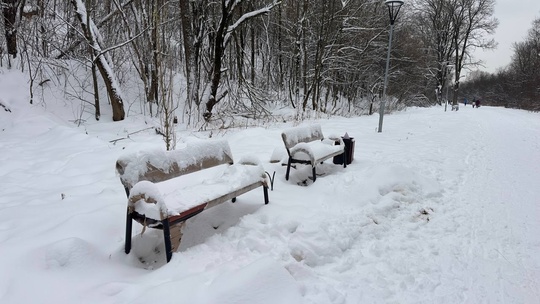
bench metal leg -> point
(288, 169)
(129, 225)
(265, 190)
(314, 173)
(167, 239)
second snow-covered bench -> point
(162, 196)
(307, 145)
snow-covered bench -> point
(165, 188)
(307, 145)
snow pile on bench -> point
(295, 135)
(159, 165)
(172, 197)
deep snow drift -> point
(442, 207)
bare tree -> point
(223, 33)
(433, 19)
(9, 13)
(472, 20)
(192, 15)
(92, 36)
(320, 55)
(168, 108)
(450, 30)
(514, 86)
(526, 66)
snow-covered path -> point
(482, 242)
(487, 240)
(501, 210)
(441, 207)
(484, 235)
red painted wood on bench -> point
(188, 213)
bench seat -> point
(180, 196)
(316, 151)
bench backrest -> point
(158, 165)
(305, 134)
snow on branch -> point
(247, 16)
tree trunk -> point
(280, 48)
(303, 53)
(222, 36)
(113, 89)
(188, 37)
(97, 113)
(153, 93)
(219, 49)
(96, 92)
(253, 67)
(141, 47)
(9, 10)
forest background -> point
(221, 63)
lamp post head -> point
(393, 9)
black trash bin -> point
(349, 150)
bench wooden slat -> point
(186, 214)
(176, 235)
(293, 136)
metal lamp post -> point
(393, 10)
(449, 68)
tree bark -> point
(219, 49)
(192, 14)
(113, 89)
(222, 36)
(472, 19)
(9, 11)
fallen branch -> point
(5, 107)
(129, 134)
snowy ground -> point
(442, 207)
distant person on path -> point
(477, 102)
(465, 101)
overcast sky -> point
(515, 19)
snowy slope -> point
(442, 207)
